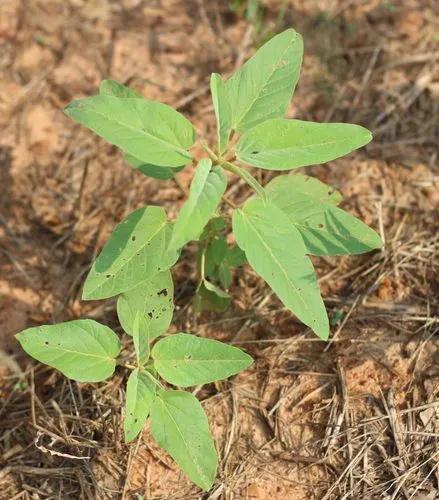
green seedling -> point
(275, 230)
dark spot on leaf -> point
(150, 315)
(108, 276)
(330, 192)
(47, 343)
(188, 357)
(133, 238)
(136, 420)
(321, 225)
(163, 292)
(254, 152)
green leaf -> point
(148, 130)
(263, 86)
(140, 394)
(235, 257)
(186, 360)
(141, 339)
(207, 187)
(214, 226)
(137, 250)
(224, 275)
(82, 350)
(211, 298)
(276, 251)
(325, 228)
(155, 171)
(223, 111)
(180, 426)
(284, 188)
(281, 144)
(153, 300)
(217, 249)
(116, 89)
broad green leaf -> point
(207, 187)
(116, 89)
(263, 86)
(153, 300)
(281, 144)
(186, 360)
(223, 111)
(283, 189)
(141, 339)
(180, 426)
(148, 130)
(137, 250)
(325, 228)
(140, 394)
(155, 171)
(211, 298)
(276, 251)
(82, 350)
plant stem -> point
(245, 176)
(240, 172)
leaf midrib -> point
(124, 264)
(257, 95)
(277, 261)
(197, 465)
(142, 131)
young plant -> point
(276, 230)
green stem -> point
(240, 172)
(245, 176)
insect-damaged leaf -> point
(223, 111)
(276, 251)
(140, 395)
(207, 187)
(82, 350)
(148, 130)
(153, 300)
(263, 86)
(281, 144)
(180, 426)
(185, 360)
(325, 228)
(137, 250)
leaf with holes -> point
(179, 425)
(82, 350)
(262, 88)
(148, 130)
(186, 360)
(325, 228)
(153, 300)
(276, 251)
(140, 394)
(281, 144)
(137, 250)
(207, 187)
